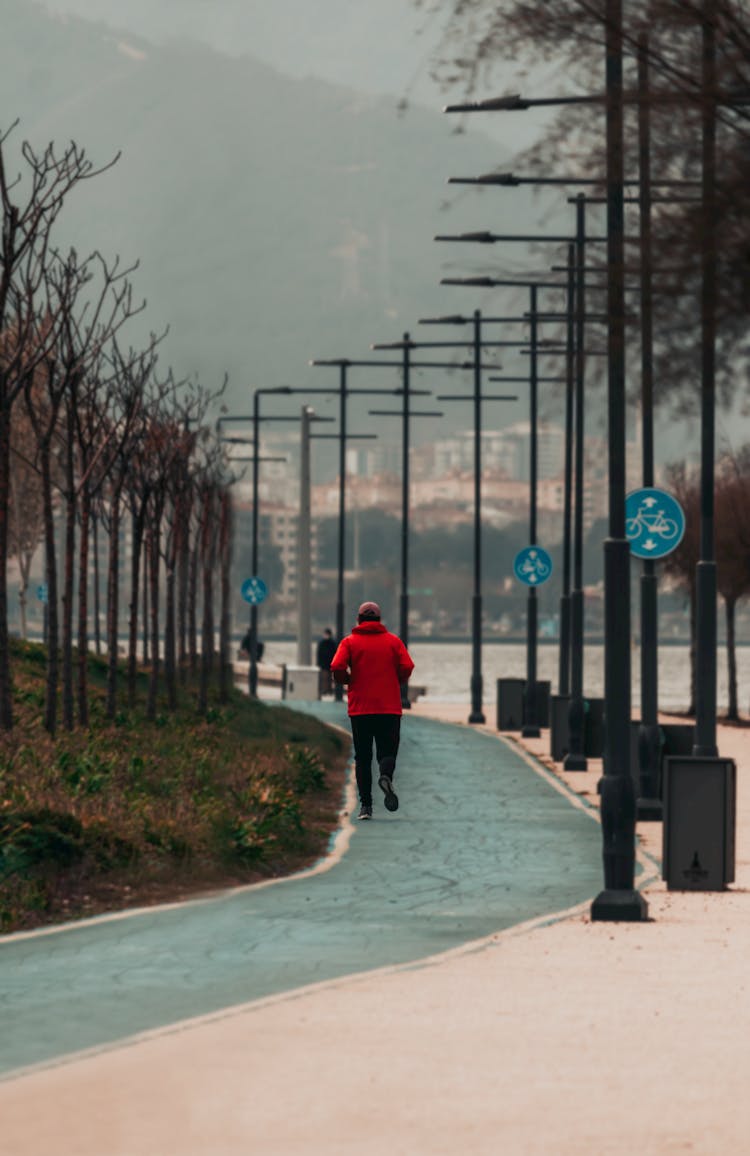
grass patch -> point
(131, 812)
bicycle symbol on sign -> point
(534, 566)
(649, 521)
(654, 523)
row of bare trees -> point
(732, 515)
(95, 440)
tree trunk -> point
(53, 629)
(97, 596)
(183, 578)
(113, 605)
(730, 607)
(193, 604)
(146, 556)
(225, 556)
(154, 543)
(67, 622)
(207, 648)
(6, 688)
(83, 609)
(170, 674)
(135, 572)
(25, 559)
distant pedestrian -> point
(325, 651)
(374, 664)
(246, 644)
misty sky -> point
(382, 47)
(385, 47)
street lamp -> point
(477, 696)
(406, 346)
(343, 364)
(252, 677)
(256, 418)
(530, 723)
(619, 900)
(406, 414)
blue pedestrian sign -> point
(254, 590)
(532, 565)
(42, 592)
(654, 523)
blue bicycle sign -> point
(254, 590)
(532, 565)
(654, 523)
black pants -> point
(385, 731)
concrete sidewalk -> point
(555, 1036)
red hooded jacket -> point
(378, 662)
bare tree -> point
(132, 376)
(681, 563)
(733, 554)
(30, 205)
(226, 528)
(26, 512)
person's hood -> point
(369, 628)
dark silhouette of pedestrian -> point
(324, 653)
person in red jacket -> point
(374, 664)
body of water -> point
(444, 668)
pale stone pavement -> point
(554, 1035)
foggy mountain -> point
(375, 48)
(276, 220)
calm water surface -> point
(444, 668)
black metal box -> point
(510, 694)
(699, 822)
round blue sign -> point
(532, 565)
(254, 590)
(654, 523)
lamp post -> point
(575, 759)
(406, 364)
(619, 900)
(407, 345)
(304, 537)
(706, 581)
(476, 321)
(530, 726)
(256, 418)
(406, 413)
(648, 803)
(344, 391)
(252, 676)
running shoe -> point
(365, 812)
(391, 798)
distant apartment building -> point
(278, 525)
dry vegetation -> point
(135, 812)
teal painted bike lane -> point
(480, 843)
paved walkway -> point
(557, 1035)
(481, 842)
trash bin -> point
(510, 703)
(543, 689)
(302, 683)
(559, 732)
(593, 728)
(699, 822)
